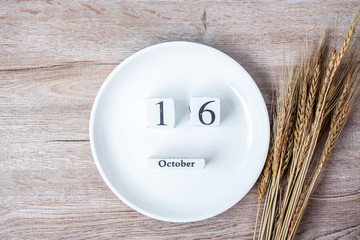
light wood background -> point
(54, 56)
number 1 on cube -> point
(161, 105)
(160, 113)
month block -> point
(160, 113)
(177, 163)
(204, 111)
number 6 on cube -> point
(160, 113)
(204, 111)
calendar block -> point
(176, 163)
(204, 111)
(160, 113)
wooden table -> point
(56, 54)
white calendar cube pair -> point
(203, 111)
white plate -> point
(235, 151)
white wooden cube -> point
(160, 113)
(176, 163)
(204, 111)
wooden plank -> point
(56, 54)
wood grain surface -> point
(54, 56)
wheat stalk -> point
(298, 209)
(287, 157)
(288, 141)
(266, 172)
(265, 177)
(313, 87)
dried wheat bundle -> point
(316, 100)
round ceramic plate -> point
(234, 152)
